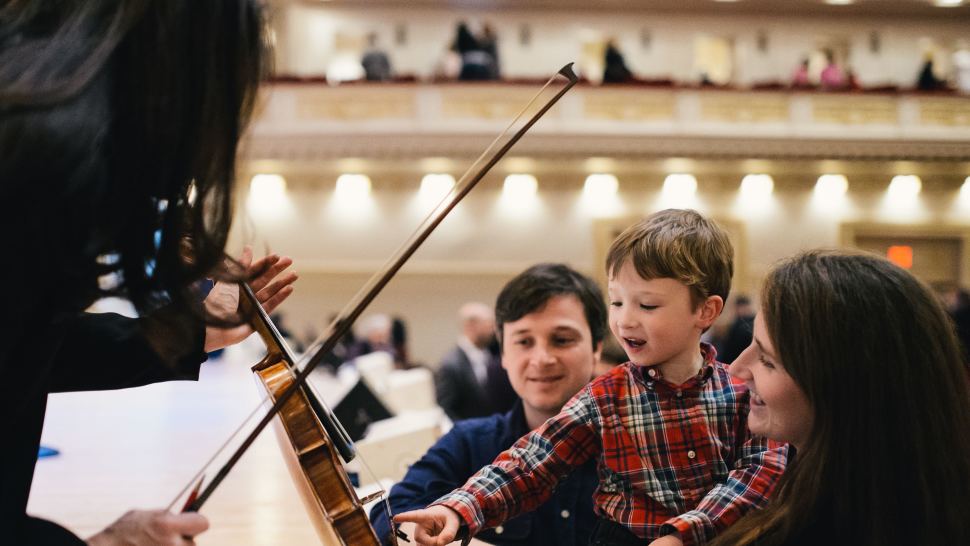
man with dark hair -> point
(550, 322)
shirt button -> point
(499, 530)
(564, 514)
(652, 372)
(680, 394)
(691, 454)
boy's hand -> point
(668, 540)
(436, 525)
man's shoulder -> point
(453, 358)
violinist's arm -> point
(108, 351)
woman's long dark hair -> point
(112, 113)
(888, 458)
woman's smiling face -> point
(779, 408)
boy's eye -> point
(562, 340)
(524, 342)
(616, 304)
(648, 307)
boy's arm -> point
(525, 476)
(756, 472)
(443, 468)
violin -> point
(312, 439)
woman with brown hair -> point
(854, 362)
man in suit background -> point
(463, 381)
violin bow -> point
(379, 280)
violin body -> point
(331, 501)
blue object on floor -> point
(47, 452)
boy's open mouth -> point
(635, 343)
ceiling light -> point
(600, 185)
(905, 187)
(948, 3)
(266, 187)
(757, 185)
(520, 186)
(434, 186)
(839, 2)
(831, 186)
(680, 184)
(353, 186)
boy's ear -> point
(710, 309)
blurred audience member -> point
(615, 69)
(927, 80)
(961, 68)
(399, 342)
(832, 75)
(462, 377)
(800, 78)
(957, 301)
(476, 62)
(739, 333)
(377, 67)
(489, 42)
(373, 334)
(612, 355)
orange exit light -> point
(901, 255)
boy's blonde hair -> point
(681, 245)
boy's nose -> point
(542, 355)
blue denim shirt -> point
(564, 520)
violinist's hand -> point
(436, 525)
(151, 528)
(271, 288)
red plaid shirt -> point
(670, 457)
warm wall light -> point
(353, 186)
(600, 186)
(757, 186)
(831, 186)
(965, 189)
(904, 186)
(435, 186)
(519, 186)
(839, 2)
(680, 186)
(267, 187)
(948, 3)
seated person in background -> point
(377, 67)
(373, 334)
(667, 431)
(855, 363)
(551, 321)
(462, 377)
(611, 356)
(738, 336)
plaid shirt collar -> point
(652, 378)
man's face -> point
(549, 355)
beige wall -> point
(482, 245)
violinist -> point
(119, 123)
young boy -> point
(668, 429)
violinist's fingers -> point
(272, 266)
(274, 287)
(187, 524)
(271, 304)
(436, 526)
